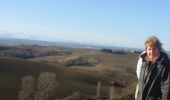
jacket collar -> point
(158, 60)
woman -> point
(154, 76)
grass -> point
(70, 80)
(108, 67)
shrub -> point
(106, 50)
(82, 61)
(119, 52)
(27, 88)
(24, 53)
(46, 87)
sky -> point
(124, 23)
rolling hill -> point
(77, 70)
(70, 80)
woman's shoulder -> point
(143, 54)
(164, 59)
(164, 55)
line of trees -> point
(113, 51)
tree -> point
(46, 87)
(27, 88)
(106, 50)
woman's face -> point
(152, 52)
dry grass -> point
(70, 80)
(74, 78)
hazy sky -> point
(107, 22)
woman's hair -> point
(153, 41)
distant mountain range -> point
(26, 38)
(15, 41)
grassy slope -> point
(105, 60)
(70, 80)
(123, 66)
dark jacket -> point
(154, 79)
